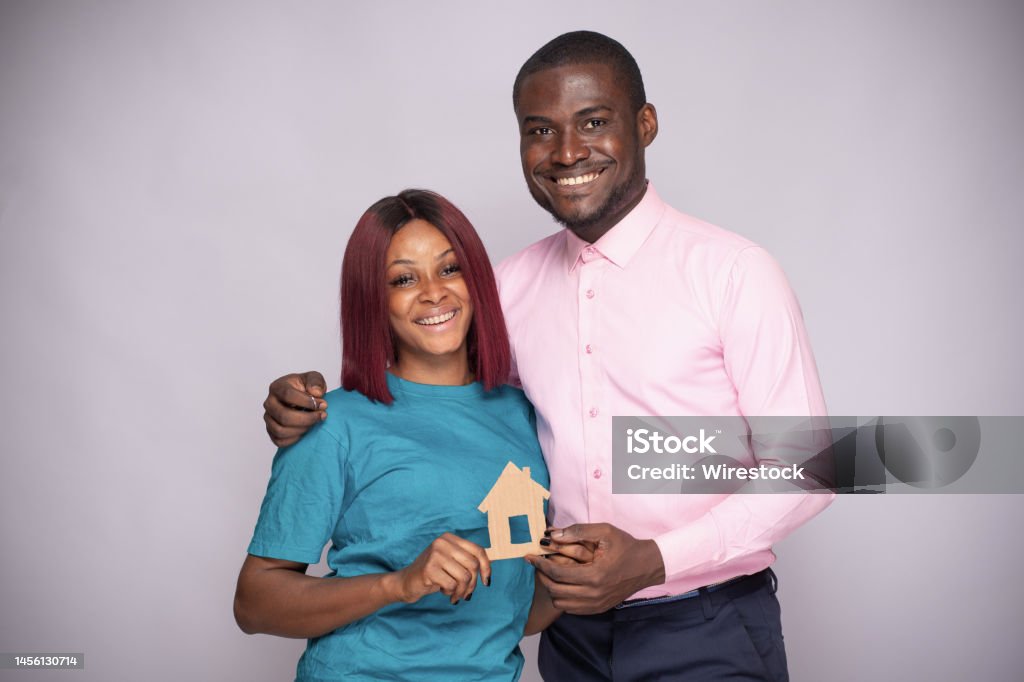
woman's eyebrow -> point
(406, 261)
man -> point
(636, 309)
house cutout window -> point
(519, 529)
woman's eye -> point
(402, 281)
(450, 270)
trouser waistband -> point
(726, 590)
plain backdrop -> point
(178, 181)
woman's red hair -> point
(367, 345)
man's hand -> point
(293, 405)
(621, 566)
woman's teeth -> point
(436, 319)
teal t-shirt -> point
(381, 482)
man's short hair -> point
(585, 47)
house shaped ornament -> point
(514, 494)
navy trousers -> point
(733, 633)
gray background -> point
(178, 180)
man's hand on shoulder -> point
(622, 565)
(293, 405)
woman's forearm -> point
(542, 611)
(276, 597)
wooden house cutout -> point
(514, 494)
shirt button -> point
(597, 473)
(593, 411)
(589, 349)
(590, 293)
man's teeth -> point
(437, 319)
(578, 180)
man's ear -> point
(647, 124)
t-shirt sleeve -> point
(303, 501)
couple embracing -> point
(449, 371)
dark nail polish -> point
(545, 542)
(469, 596)
(456, 602)
(547, 533)
(488, 582)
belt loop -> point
(705, 603)
(773, 580)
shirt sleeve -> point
(768, 358)
(303, 501)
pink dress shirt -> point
(663, 315)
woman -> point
(419, 432)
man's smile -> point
(580, 179)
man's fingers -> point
(288, 418)
(580, 532)
(578, 596)
(282, 436)
(314, 383)
(576, 550)
(296, 399)
(558, 558)
(566, 573)
(290, 411)
(560, 589)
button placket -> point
(591, 373)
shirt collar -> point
(620, 243)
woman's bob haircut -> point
(368, 345)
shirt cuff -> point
(693, 549)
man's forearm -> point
(738, 526)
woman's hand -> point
(448, 565)
(543, 611)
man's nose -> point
(570, 149)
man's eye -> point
(402, 281)
(593, 123)
(540, 131)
